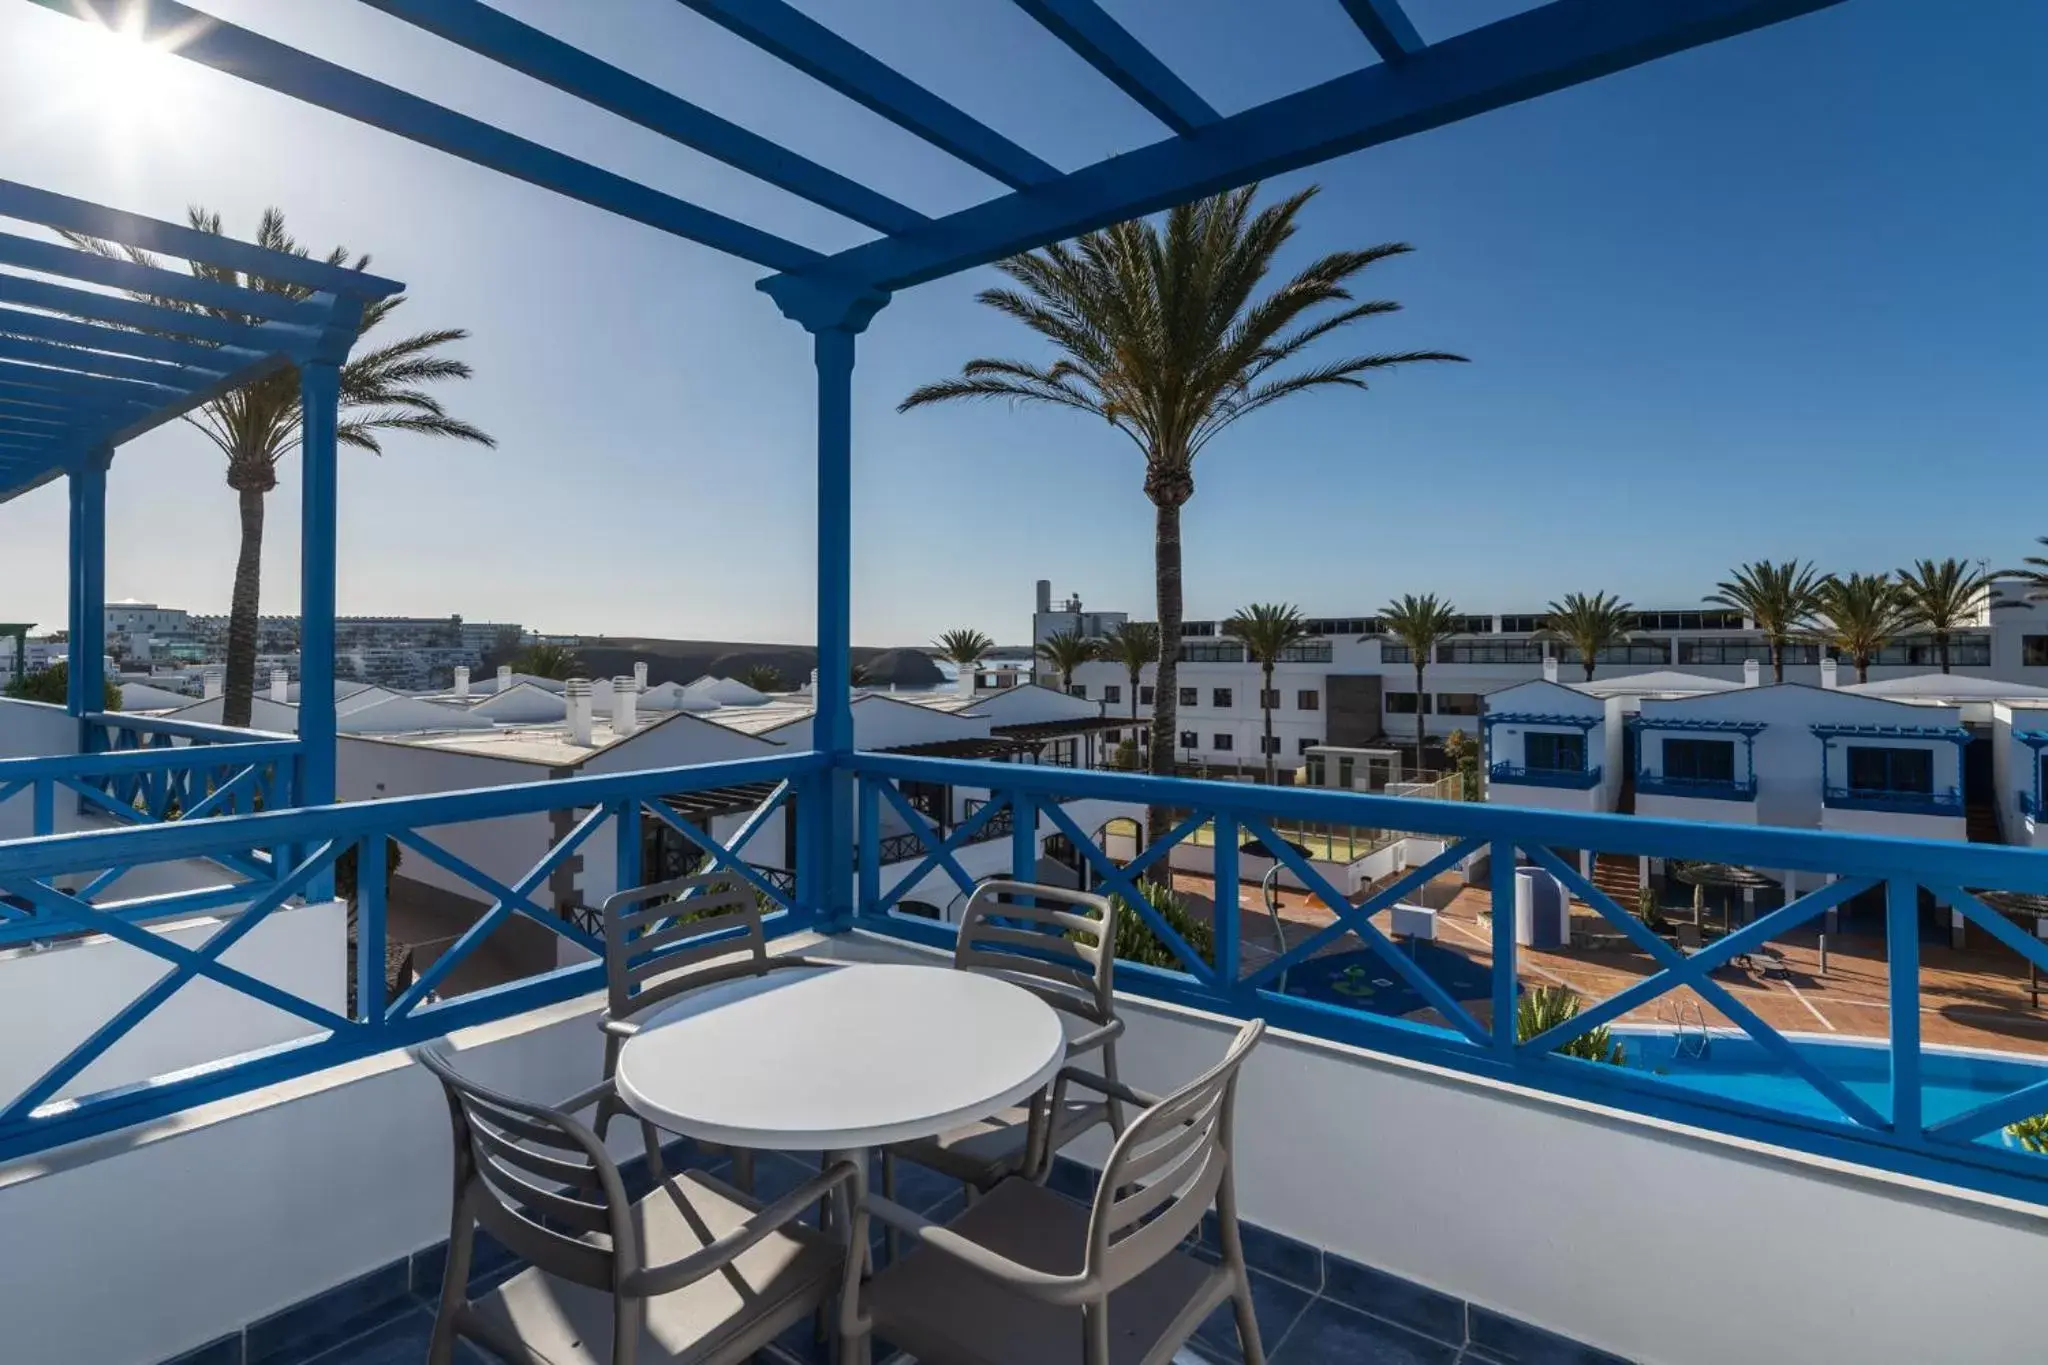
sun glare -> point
(123, 76)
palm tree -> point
(761, 677)
(2033, 571)
(1420, 623)
(964, 649)
(1860, 614)
(549, 661)
(1780, 598)
(1267, 629)
(1064, 652)
(1940, 596)
(383, 389)
(1591, 624)
(1134, 644)
(1161, 331)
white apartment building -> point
(1350, 686)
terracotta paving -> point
(1974, 997)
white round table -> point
(840, 1059)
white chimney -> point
(280, 686)
(640, 676)
(462, 682)
(210, 683)
(625, 706)
(504, 677)
(812, 690)
(1752, 673)
(577, 692)
(1829, 678)
(1550, 668)
(964, 684)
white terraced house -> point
(1350, 686)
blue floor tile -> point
(1072, 1179)
(918, 1188)
(491, 1263)
(401, 1341)
(1514, 1342)
(1389, 1296)
(226, 1351)
(305, 1329)
(1275, 1303)
(1329, 1332)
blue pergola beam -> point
(1108, 47)
(70, 360)
(32, 205)
(508, 42)
(89, 268)
(209, 360)
(127, 312)
(77, 388)
(1561, 44)
(829, 59)
(288, 71)
(1387, 27)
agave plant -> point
(1543, 1008)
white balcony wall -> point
(33, 729)
(1894, 824)
(53, 998)
(235, 1210)
(1656, 806)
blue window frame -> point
(1872, 769)
(1554, 752)
(1699, 760)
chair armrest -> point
(650, 1281)
(583, 1099)
(619, 1028)
(1102, 1084)
(1095, 1037)
(1014, 1275)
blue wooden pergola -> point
(83, 371)
(1413, 86)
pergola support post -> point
(86, 666)
(319, 405)
(835, 315)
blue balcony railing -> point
(1948, 802)
(1582, 779)
(1697, 788)
(2027, 806)
(1465, 1021)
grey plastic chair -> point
(1028, 1277)
(1031, 944)
(653, 954)
(695, 1273)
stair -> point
(1982, 823)
(1616, 874)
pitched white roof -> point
(143, 697)
(520, 704)
(1947, 687)
(725, 691)
(407, 715)
(1664, 682)
(673, 696)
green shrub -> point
(1543, 1008)
(1648, 911)
(2030, 1134)
(53, 685)
(1135, 941)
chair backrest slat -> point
(1001, 934)
(652, 935)
(1165, 1170)
(538, 1180)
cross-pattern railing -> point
(1477, 1031)
(308, 842)
(1522, 776)
(1462, 1025)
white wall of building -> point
(53, 997)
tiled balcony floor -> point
(1312, 1308)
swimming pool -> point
(1736, 1066)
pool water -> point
(1739, 1068)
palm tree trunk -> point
(238, 698)
(1941, 644)
(1862, 668)
(1419, 666)
(1165, 687)
(1266, 703)
(1777, 660)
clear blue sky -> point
(1780, 296)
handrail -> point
(123, 761)
(191, 729)
(1810, 850)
